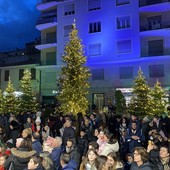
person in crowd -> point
(28, 123)
(88, 128)
(112, 122)
(38, 126)
(93, 145)
(141, 159)
(134, 137)
(67, 163)
(20, 156)
(90, 161)
(69, 131)
(57, 150)
(102, 140)
(47, 162)
(164, 155)
(3, 159)
(102, 163)
(36, 145)
(111, 145)
(129, 160)
(35, 163)
(123, 124)
(95, 135)
(73, 151)
(27, 133)
(113, 162)
(123, 149)
(15, 132)
(45, 132)
(82, 143)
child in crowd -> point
(129, 159)
(3, 158)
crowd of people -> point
(97, 141)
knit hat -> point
(14, 123)
(38, 119)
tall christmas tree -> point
(74, 77)
(140, 100)
(28, 101)
(10, 100)
(157, 103)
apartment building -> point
(119, 36)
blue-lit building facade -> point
(119, 36)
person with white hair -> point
(57, 150)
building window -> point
(94, 5)
(122, 2)
(123, 22)
(126, 72)
(155, 48)
(124, 46)
(51, 58)
(21, 73)
(33, 73)
(98, 74)
(67, 30)
(156, 71)
(6, 77)
(69, 9)
(95, 49)
(95, 27)
(154, 22)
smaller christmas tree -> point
(140, 99)
(157, 103)
(10, 100)
(28, 101)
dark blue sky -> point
(17, 23)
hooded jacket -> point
(20, 158)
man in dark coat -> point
(69, 131)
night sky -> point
(17, 23)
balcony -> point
(155, 30)
(47, 4)
(154, 5)
(47, 43)
(44, 23)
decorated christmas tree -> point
(139, 103)
(74, 77)
(10, 100)
(157, 102)
(28, 101)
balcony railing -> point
(153, 27)
(46, 20)
(151, 2)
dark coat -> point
(38, 168)
(82, 144)
(20, 158)
(36, 145)
(15, 133)
(145, 166)
(69, 133)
